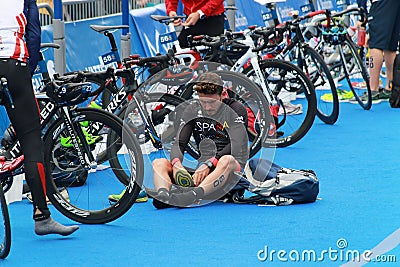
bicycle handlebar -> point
(267, 35)
(212, 42)
(166, 19)
(329, 15)
(359, 10)
(143, 61)
(81, 77)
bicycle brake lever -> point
(7, 92)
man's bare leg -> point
(212, 185)
(375, 66)
(389, 57)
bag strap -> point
(238, 198)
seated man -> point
(219, 129)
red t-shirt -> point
(12, 30)
(209, 7)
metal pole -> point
(59, 38)
(58, 14)
(126, 36)
(230, 13)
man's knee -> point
(228, 161)
(162, 163)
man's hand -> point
(177, 22)
(192, 19)
(200, 174)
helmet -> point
(174, 75)
(334, 35)
(68, 93)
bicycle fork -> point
(78, 139)
(149, 127)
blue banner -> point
(336, 5)
(149, 36)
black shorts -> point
(212, 26)
(384, 24)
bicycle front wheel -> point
(5, 227)
(118, 167)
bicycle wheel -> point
(356, 74)
(318, 72)
(118, 166)
(295, 94)
(5, 227)
(238, 86)
(244, 90)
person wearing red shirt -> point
(203, 17)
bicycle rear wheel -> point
(318, 72)
(295, 95)
(118, 166)
(5, 227)
(356, 74)
(238, 86)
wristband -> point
(174, 161)
(214, 161)
(201, 13)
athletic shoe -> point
(384, 94)
(359, 85)
(142, 197)
(162, 199)
(188, 198)
(343, 96)
(363, 97)
(90, 139)
(183, 178)
(10, 165)
(290, 109)
(363, 85)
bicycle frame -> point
(50, 111)
(119, 98)
(253, 58)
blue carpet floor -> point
(357, 162)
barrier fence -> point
(75, 10)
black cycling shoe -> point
(162, 199)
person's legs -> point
(389, 57)
(24, 116)
(218, 178)
(383, 15)
(213, 186)
(162, 170)
(375, 66)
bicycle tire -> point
(364, 102)
(285, 80)
(5, 232)
(242, 89)
(239, 87)
(168, 109)
(89, 203)
(328, 112)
